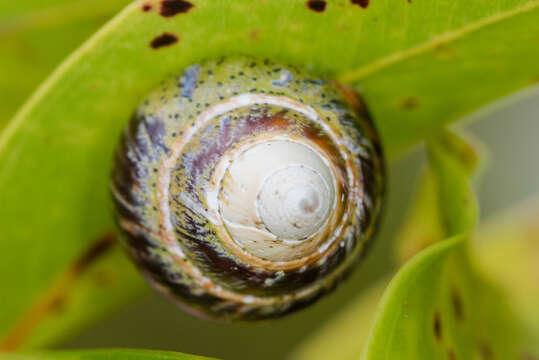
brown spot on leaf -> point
(316, 5)
(409, 103)
(58, 304)
(456, 302)
(147, 7)
(95, 251)
(444, 51)
(254, 34)
(528, 356)
(103, 279)
(363, 3)
(55, 298)
(451, 354)
(437, 326)
(165, 39)
(485, 351)
(170, 8)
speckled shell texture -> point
(170, 172)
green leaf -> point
(423, 225)
(36, 35)
(452, 161)
(97, 282)
(417, 67)
(109, 354)
(435, 308)
(444, 203)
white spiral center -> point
(294, 202)
(275, 197)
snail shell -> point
(247, 189)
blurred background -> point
(509, 129)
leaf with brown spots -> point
(456, 301)
(317, 5)
(363, 3)
(170, 8)
(437, 326)
(416, 319)
(163, 40)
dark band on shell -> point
(247, 189)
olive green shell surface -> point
(171, 168)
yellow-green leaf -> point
(444, 202)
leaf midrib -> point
(364, 71)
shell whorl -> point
(274, 196)
(246, 189)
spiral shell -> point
(247, 189)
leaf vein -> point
(362, 72)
